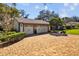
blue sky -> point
(63, 9)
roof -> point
(72, 23)
(31, 21)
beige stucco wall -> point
(42, 29)
(21, 27)
(16, 25)
(28, 29)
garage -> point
(28, 29)
(42, 29)
(30, 26)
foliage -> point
(71, 19)
(10, 35)
(22, 13)
(68, 19)
(77, 26)
(46, 15)
(7, 15)
(56, 22)
(76, 18)
(26, 16)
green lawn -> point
(70, 31)
(73, 31)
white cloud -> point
(46, 7)
(72, 8)
(51, 10)
(25, 4)
(75, 4)
(67, 8)
(63, 13)
(36, 7)
(66, 4)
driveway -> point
(44, 45)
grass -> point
(70, 31)
(73, 31)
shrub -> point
(77, 26)
(11, 36)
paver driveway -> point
(45, 44)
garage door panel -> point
(42, 29)
(28, 30)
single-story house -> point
(30, 26)
(71, 24)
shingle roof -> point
(72, 23)
(31, 21)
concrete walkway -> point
(45, 44)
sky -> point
(63, 9)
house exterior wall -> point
(16, 25)
(21, 27)
(42, 29)
(28, 29)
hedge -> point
(10, 36)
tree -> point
(7, 13)
(46, 15)
(14, 5)
(6, 18)
(68, 19)
(75, 18)
(22, 13)
(56, 23)
(26, 16)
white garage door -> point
(42, 29)
(28, 30)
(21, 27)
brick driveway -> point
(45, 44)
